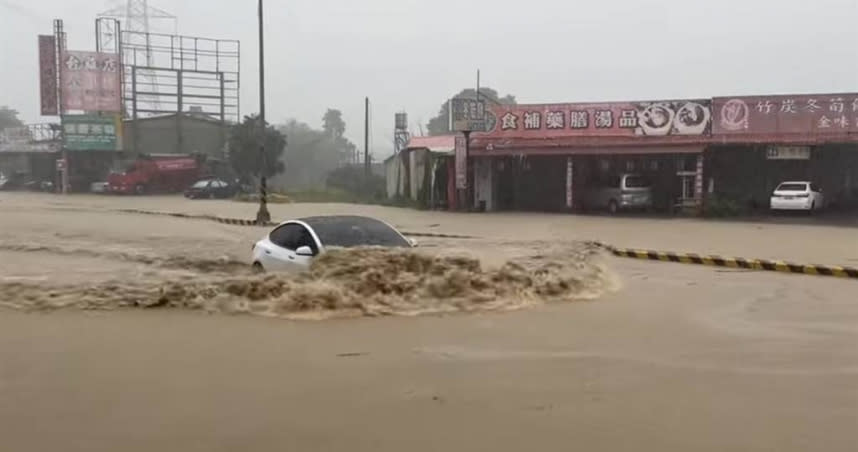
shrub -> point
(720, 207)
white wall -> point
(394, 174)
(483, 182)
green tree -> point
(244, 149)
(439, 125)
(9, 118)
(333, 124)
(310, 156)
(335, 127)
(353, 179)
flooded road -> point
(672, 357)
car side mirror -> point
(412, 242)
(304, 251)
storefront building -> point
(548, 157)
(758, 142)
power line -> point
(26, 12)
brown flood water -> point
(597, 354)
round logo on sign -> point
(734, 115)
(691, 119)
(656, 119)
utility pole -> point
(366, 144)
(60, 39)
(262, 215)
(478, 85)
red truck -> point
(156, 174)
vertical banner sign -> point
(48, 75)
(698, 180)
(569, 171)
(90, 81)
(461, 163)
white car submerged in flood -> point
(293, 244)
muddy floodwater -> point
(340, 283)
(122, 331)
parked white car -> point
(800, 195)
(98, 187)
(293, 244)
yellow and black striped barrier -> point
(239, 222)
(734, 262)
(230, 221)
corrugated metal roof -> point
(440, 143)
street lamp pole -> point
(262, 215)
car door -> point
(305, 239)
(210, 189)
(285, 241)
(226, 189)
(219, 188)
(278, 252)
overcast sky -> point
(412, 54)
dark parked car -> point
(20, 180)
(211, 188)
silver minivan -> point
(624, 192)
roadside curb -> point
(241, 222)
(733, 262)
(229, 221)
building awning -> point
(672, 144)
(600, 150)
(798, 139)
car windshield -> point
(201, 184)
(636, 182)
(792, 186)
(352, 231)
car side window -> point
(814, 187)
(286, 236)
(306, 239)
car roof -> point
(333, 219)
(209, 179)
(330, 224)
(325, 220)
(796, 182)
(328, 219)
